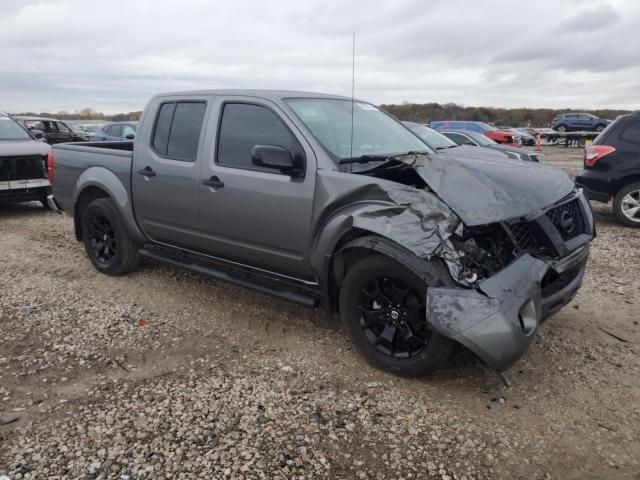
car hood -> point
(490, 189)
(16, 148)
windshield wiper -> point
(376, 158)
(449, 146)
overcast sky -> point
(112, 56)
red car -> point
(503, 137)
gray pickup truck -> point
(319, 199)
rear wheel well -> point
(623, 182)
(87, 196)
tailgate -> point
(23, 172)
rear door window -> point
(631, 132)
(177, 130)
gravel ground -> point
(165, 374)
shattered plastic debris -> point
(143, 323)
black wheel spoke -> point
(398, 292)
(393, 314)
(389, 334)
(372, 317)
(102, 239)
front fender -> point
(107, 181)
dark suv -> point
(612, 168)
(55, 131)
(578, 122)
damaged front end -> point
(521, 272)
(510, 273)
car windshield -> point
(376, 135)
(480, 139)
(10, 130)
(432, 138)
(486, 127)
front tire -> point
(626, 205)
(382, 306)
(562, 129)
(106, 240)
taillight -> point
(50, 166)
(593, 153)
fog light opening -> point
(527, 317)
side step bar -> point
(290, 295)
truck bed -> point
(75, 159)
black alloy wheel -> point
(102, 239)
(383, 309)
(393, 317)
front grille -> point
(22, 168)
(523, 236)
(567, 218)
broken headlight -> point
(487, 250)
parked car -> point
(475, 139)
(322, 199)
(526, 138)
(26, 164)
(499, 136)
(119, 131)
(79, 131)
(91, 129)
(55, 131)
(612, 168)
(575, 122)
(431, 137)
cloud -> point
(67, 54)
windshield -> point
(10, 130)
(375, 133)
(486, 127)
(481, 139)
(432, 138)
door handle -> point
(147, 172)
(213, 182)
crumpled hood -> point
(18, 148)
(488, 190)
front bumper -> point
(24, 190)
(497, 320)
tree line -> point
(87, 114)
(514, 117)
(413, 112)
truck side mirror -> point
(130, 136)
(38, 134)
(277, 158)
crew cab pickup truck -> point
(321, 199)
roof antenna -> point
(353, 89)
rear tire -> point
(626, 205)
(106, 240)
(392, 335)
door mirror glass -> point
(39, 134)
(275, 157)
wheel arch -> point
(98, 182)
(357, 244)
(620, 183)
